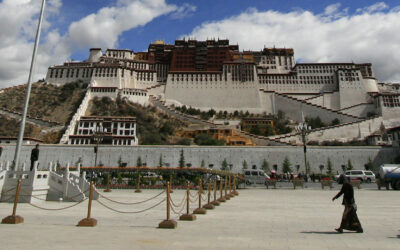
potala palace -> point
(215, 74)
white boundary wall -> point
(109, 155)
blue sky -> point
(319, 31)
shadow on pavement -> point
(325, 232)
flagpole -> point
(28, 90)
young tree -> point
(265, 166)
(244, 164)
(321, 168)
(182, 160)
(224, 165)
(268, 130)
(286, 166)
(160, 163)
(370, 165)
(139, 162)
(349, 165)
(202, 165)
(329, 170)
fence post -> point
(138, 185)
(170, 181)
(200, 210)
(88, 221)
(221, 198)
(187, 216)
(234, 187)
(107, 190)
(168, 223)
(230, 194)
(14, 219)
(209, 205)
(215, 202)
(226, 189)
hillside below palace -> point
(216, 74)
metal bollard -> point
(138, 185)
(226, 189)
(215, 202)
(168, 223)
(235, 192)
(187, 216)
(14, 219)
(209, 205)
(221, 198)
(200, 210)
(88, 221)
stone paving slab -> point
(256, 219)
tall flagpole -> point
(28, 90)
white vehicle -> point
(362, 175)
(390, 173)
(255, 176)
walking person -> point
(34, 155)
(349, 219)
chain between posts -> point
(130, 212)
(130, 203)
(57, 209)
(180, 204)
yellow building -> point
(231, 136)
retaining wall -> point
(109, 155)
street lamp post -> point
(304, 129)
(98, 136)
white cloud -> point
(373, 8)
(332, 36)
(18, 21)
(184, 11)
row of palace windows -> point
(296, 82)
(144, 76)
(59, 73)
(196, 77)
(350, 79)
(136, 65)
(127, 92)
(105, 72)
(391, 101)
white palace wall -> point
(216, 93)
(344, 133)
(109, 155)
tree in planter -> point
(329, 170)
(182, 160)
(286, 166)
(202, 164)
(349, 165)
(265, 166)
(224, 165)
(244, 164)
(139, 162)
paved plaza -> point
(257, 219)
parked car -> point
(255, 176)
(362, 175)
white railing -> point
(80, 111)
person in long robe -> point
(350, 219)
